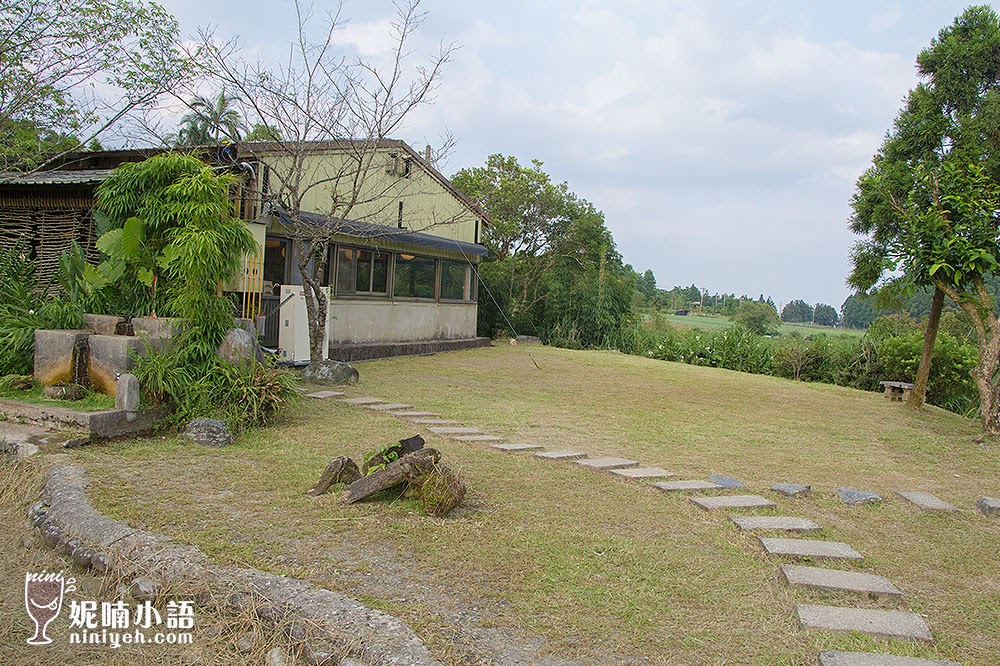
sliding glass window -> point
(362, 272)
(456, 281)
(414, 277)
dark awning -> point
(368, 231)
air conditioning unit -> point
(293, 331)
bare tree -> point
(72, 70)
(319, 99)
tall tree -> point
(210, 121)
(77, 68)
(797, 311)
(926, 207)
(323, 93)
(824, 315)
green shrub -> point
(739, 348)
(950, 379)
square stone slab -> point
(810, 548)
(725, 481)
(829, 658)
(455, 430)
(990, 506)
(643, 473)
(362, 401)
(887, 624)
(321, 395)
(732, 502)
(675, 486)
(608, 463)
(792, 489)
(439, 422)
(410, 414)
(926, 501)
(853, 497)
(476, 438)
(561, 455)
(786, 523)
(817, 578)
(516, 447)
(389, 407)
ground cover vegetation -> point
(578, 564)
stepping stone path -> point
(853, 497)
(926, 501)
(608, 463)
(828, 658)
(454, 430)
(361, 401)
(810, 548)
(817, 578)
(437, 422)
(515, 447)
(677, 486)
(322, 395)
(886, 624)
(643, 473)
(725, 481)
(414, 415)
(732, 502)
(787, 523)
(561, 455)
(792, 489)
(388, 407)
(990, 506)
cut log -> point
(439, 490)
(340, 470)
(400, 449)
(393, 475)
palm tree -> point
(210, 121)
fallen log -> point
(393, 475)
(340, 470)
(438, 489)
(384, 456)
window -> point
(414, 277)
(276, 259)
(362, 271)
(456, 281)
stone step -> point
(830, 658)
(389, 407)
(411, 414)
(454, 430)
(885, 624)
(365, 400)
(732, 502)
(787, 523)
(515, 447)
(643, 473)
(817, 578)
(792, 489)
(678, 486)
(925, 501)
(322, 395)
(561, 455)
(437, 422)
(990, 506)
(810, 548)
(725, 481)
(853, 497)
(608, 463)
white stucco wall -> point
(358, 321)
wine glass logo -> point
(43, 597)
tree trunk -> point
(988, 381)
(340, 470)
(926, 356)
(394, 474)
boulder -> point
(208, 432)
(330, 373)
(239, 345)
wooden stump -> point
(391, 453)
(439, 489)
(340, 470)
(393, 475)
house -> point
(402, 265)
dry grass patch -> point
(576, 563)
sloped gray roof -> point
(81, 177)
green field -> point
(711, 322)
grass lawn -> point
(578, 565)
(90, 402)
(711, 323)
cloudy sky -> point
(722, 139)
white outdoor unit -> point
(293, 332)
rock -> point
(792, 489)
(143, 589)
(101, 562)
(856, 497)
(725, 481)
(246, 642)
(208, 432)
(64, 391)
(277, 657)
(82, 556)
(239, 345)
(330, 373)
(990, 506)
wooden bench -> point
(897, 390)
